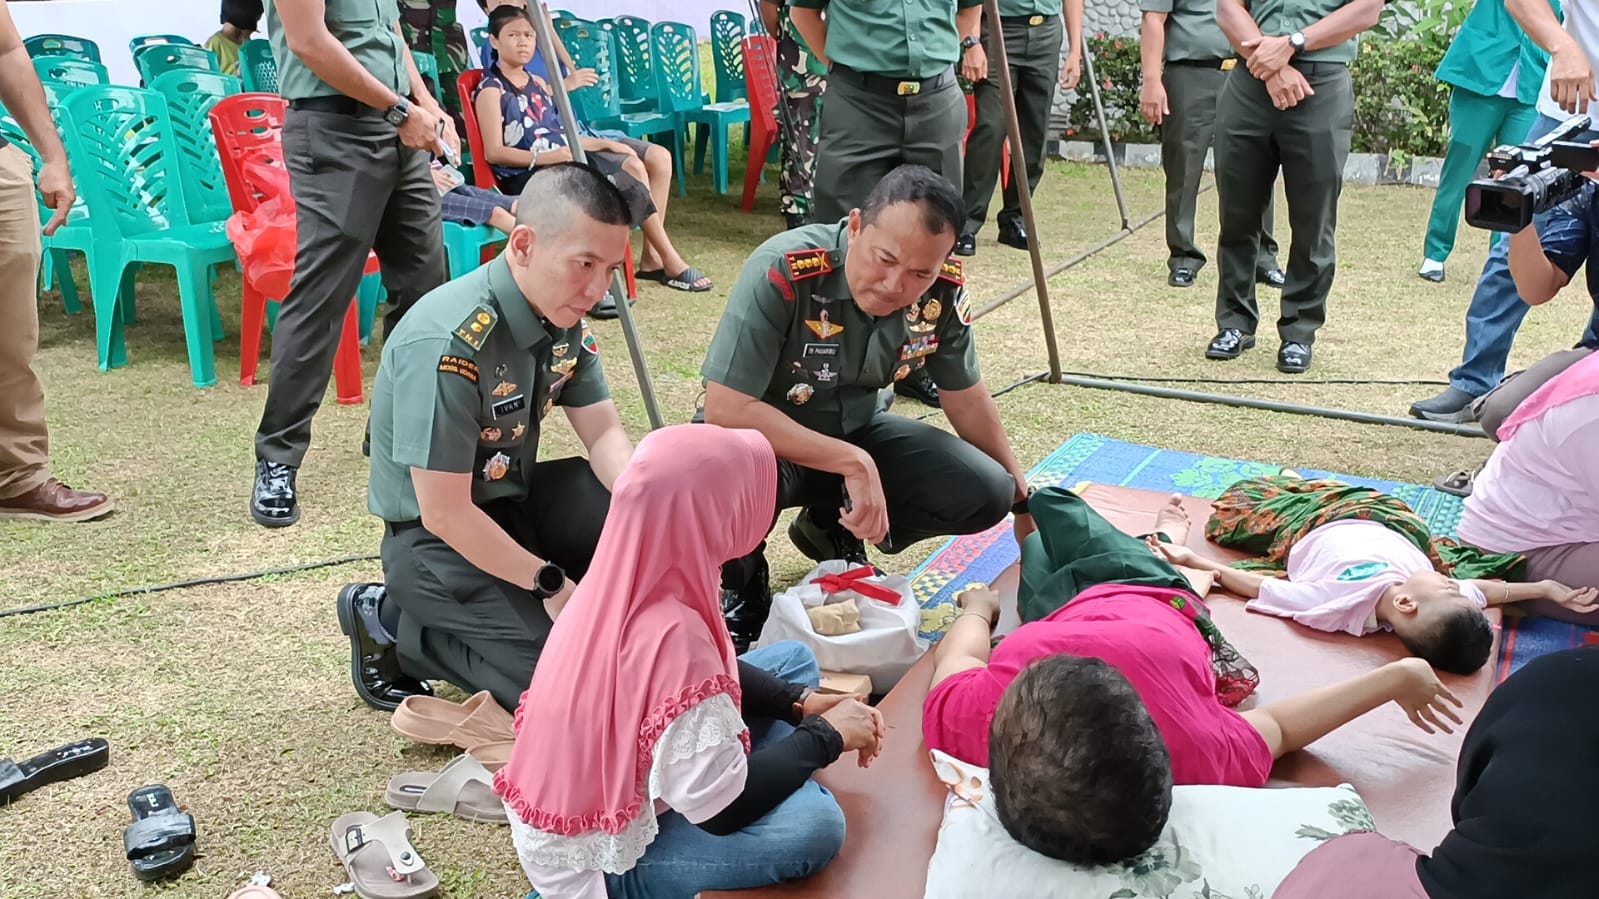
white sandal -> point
(464, 789)
(378, 855)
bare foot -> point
(1172, 520)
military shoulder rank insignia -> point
(807, 263)
(476, 327)
(951, 271)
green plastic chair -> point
(257, 67)
(155, 60)
(141, 41)
(74, 236)
(69, 71)
(125, 160)
(190, 94)
(677, 77)
(428, 67)
(480, 39)
(62, 45)
(727, 53)
(635, 63)
(599, 105)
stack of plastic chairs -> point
(257, 67)
(155, 60)
(760, 75)
(677, 76)
(190, 94)
(599, 104)
(69, 71)
(727, 53)
(62, 45)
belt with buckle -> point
(1029, 21)
(400, 527)
(1223, 64)
(883, 84)
(339, 105)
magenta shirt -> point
(1365, 865)
(1153, 645)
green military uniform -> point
(803, 79)
(464, 386)
(892, 97)
(431, 27)
(1197, 59)
(1034, 32)
(357, 189)
(1309, 142)
(793, 337)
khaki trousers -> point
(24, 442)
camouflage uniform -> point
(430, 26)
(803, 81)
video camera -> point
(1538, 176)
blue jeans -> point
(796, 839)
(1496, 309)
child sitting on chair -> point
(1359, 561)
(466, 204)
(1088, 717)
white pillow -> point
(1219, 843)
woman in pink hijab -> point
(650, 760)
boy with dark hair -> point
(1348, 559)
(1088, 716)
(240, 20)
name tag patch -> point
(509, 406)
(827, 351)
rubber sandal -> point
(492, 756)
(687, 278)
(52, 766)
(1457, 483)
(464, 789)
(658, 275)
(160, 841)
(378, 855)
(440, 722)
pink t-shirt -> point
(1338, 573)
(1541, 487)
(1153, 645)
(1363, 864)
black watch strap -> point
(1020, 506)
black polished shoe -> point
(1013, 236)
(1182, 276)
(273, 503)
(966, 245)
(1273, 278)
(374, 659)
(821, 544)
(919, 386)
(1293, 358)
(1229, 343)
(796, 219)
(1450, 405)
(745, 609)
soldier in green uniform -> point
(1033, 33)
(477, 531)
(432, 27)
(1186, 59)
(802, 76)
(1291, 108)
(821, 319)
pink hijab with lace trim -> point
(1580, 380)
(642, 639)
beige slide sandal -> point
(378, 855)
(492, 755)
(464, 789)
(429, 719)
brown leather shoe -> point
(55, 501)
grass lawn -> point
(238, 695)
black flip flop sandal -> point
(658, 275)
(687, 278)
(160, 841)
(52, 766)
(1457, 483)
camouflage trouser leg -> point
(801, 119)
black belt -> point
(1029, 21)
(338, 105)
(885, 84)
(1223, 64)
(1316, 67)
(399, 527)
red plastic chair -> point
(971, 122)
(482, 175)
(250, 126)
(760, 78)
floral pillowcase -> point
(1220, 843)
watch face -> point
(550, 579)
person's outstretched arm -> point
(969, 640)
(1234, 580)
(1295, 723)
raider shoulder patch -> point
(475, 328)
(951, 271)
(458, 365)
(808, 263)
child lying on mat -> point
(1359, 561)
(1088, 717)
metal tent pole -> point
(630, 335)
(1104, 133)
(1018, 174)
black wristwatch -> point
(548, 580)
(1020, 506)
(1297, 41)
(397, 114)
(968, 43)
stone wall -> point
(1117, 18)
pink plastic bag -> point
(265, 237)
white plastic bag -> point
(883, 649)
